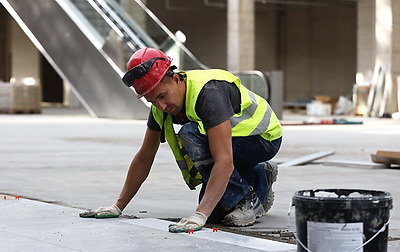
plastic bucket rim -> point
(379, 199)
(379, 239)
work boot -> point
(271, 171)
(246, 211)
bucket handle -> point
(291, 205)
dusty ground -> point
(276, 235)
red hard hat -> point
(146, 68)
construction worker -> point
(227, 138)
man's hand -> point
(194, 222)
(103, 212)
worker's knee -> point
(190, 134)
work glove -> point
(192, 223)
(103, 212)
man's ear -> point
(177, 78)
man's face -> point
(168, 95)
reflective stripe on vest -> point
(251, 114)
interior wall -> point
(334, 41)
(25, 58)
(267, 39)
(321, 52)
(204, 27)
(297, 67)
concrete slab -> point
(66, 157)
(27, 225)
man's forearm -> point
(133, 181)
(216, 187)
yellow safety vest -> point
(255, 118)
(189, 173)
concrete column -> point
(383, 32)
(366, 37)
(396, 38)
(241, 37)
(386, 35)
(396, 56)
(374, 35)
(378, 36)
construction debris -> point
(307, 159)
(382, 159)
(20, 97)
(316, 121)
(381, 101)
(354, 164)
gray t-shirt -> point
(217, 102)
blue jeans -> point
(248, 152)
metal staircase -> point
(88, 43)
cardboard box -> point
(386, 157)
(25, 98)
(317, 108)
(360, 99)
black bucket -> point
(341, 220)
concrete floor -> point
(28, 225)
(74, 162)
